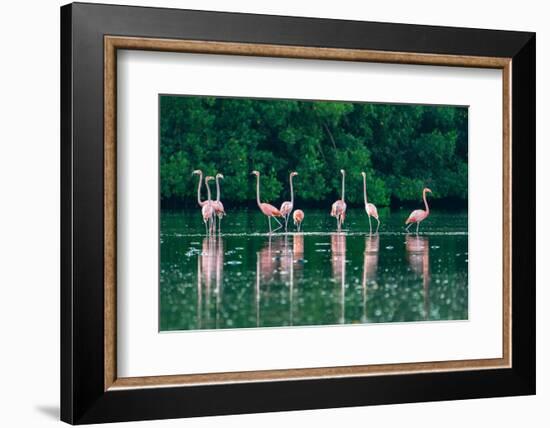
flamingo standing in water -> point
(287, 206)
(208, 209)
(217, 204)
(369, 208)
(339, 207)
(419, 215)
(298, 217)
(267, 209)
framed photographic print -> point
(265, 213)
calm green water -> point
(246, 278)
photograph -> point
(282, 212)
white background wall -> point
(29, 214)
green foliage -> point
(402, 148)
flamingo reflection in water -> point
(266, 268)
(370, 267)
(338, 259)
(209, 275)
(276, 261)
(418, 253)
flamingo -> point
(339, 207)
(286, 207)
(267, 209)
(199, 172)
(208, 209)
(298, 217)
(419, 215)
(369, 208)
(217, 204)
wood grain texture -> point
(301, 52)
(110, 183)
(112, 43)
(309, 373)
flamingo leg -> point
(286, 222)
(280, 224)
(378, 226)
(269, 220)
(205, 226)
(219, 225)
(417, 225)
(370, 227)
(407, 228)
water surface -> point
(245, 278)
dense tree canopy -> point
(402, 148)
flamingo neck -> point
(365, 190)
(258, 191)
(199, 190)
(343, 186)
(208, 191)
(217, 189)
(425, 202)
(291, 192)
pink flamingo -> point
(208, 209)
(369, 208)
(217, 204)
(339, 207)
(267, 209)
(419, 215)
(287, 206)
(199, 172)
(298, 217)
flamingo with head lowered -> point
(339, 207)
(419, 215)
(267, 209)
(369, 208)
(287, 206)
(298, 217)
(219, 211)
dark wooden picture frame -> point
(90, 37)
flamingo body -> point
(207, 211)
(269, 210)
(339, 207)
(298, 217)
(218, 208)
(419, 215)
(372, 211)
(286, 208)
